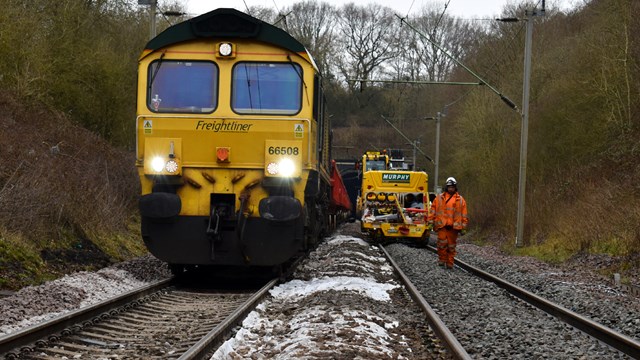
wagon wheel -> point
(423, 241)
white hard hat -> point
(451, 181)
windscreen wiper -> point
(155, 72)
(300, 76)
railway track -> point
(439, 328)
(485, 316)
(157, 321)
(170, 322)
(600, 332)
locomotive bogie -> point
(185, 241)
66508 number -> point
(283, 150)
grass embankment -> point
(593, 211)
(67, 198)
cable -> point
(246, 72)
(276, 6)
(246, 7)
(511, 43)
(410, 7)
(442, 15)
(173, 13)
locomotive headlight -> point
(287, 167)
(157, 164)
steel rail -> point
(598, 331)
(26, 336)
(214, 337)
(450, 341)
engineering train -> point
(233, 145)
(393, 200)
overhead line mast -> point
(525, 111)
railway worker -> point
(409, 200)
(448, 216)
(419, 203)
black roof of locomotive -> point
(225, 23)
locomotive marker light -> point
(162, 156)
(272, 168)
(283, 158)
(158, 164)
(225, 49)
(171, 166)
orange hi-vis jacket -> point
(448, 210)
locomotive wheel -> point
(313, 224)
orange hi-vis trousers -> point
(446, 244)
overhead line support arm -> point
(506, 100)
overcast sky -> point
(469, 9)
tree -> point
(368, 35)
(455, 35)
(264, 13)
(312, 24)
(75, 56)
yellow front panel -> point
(245, 138)
(196, 201)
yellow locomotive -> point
(232, 144)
